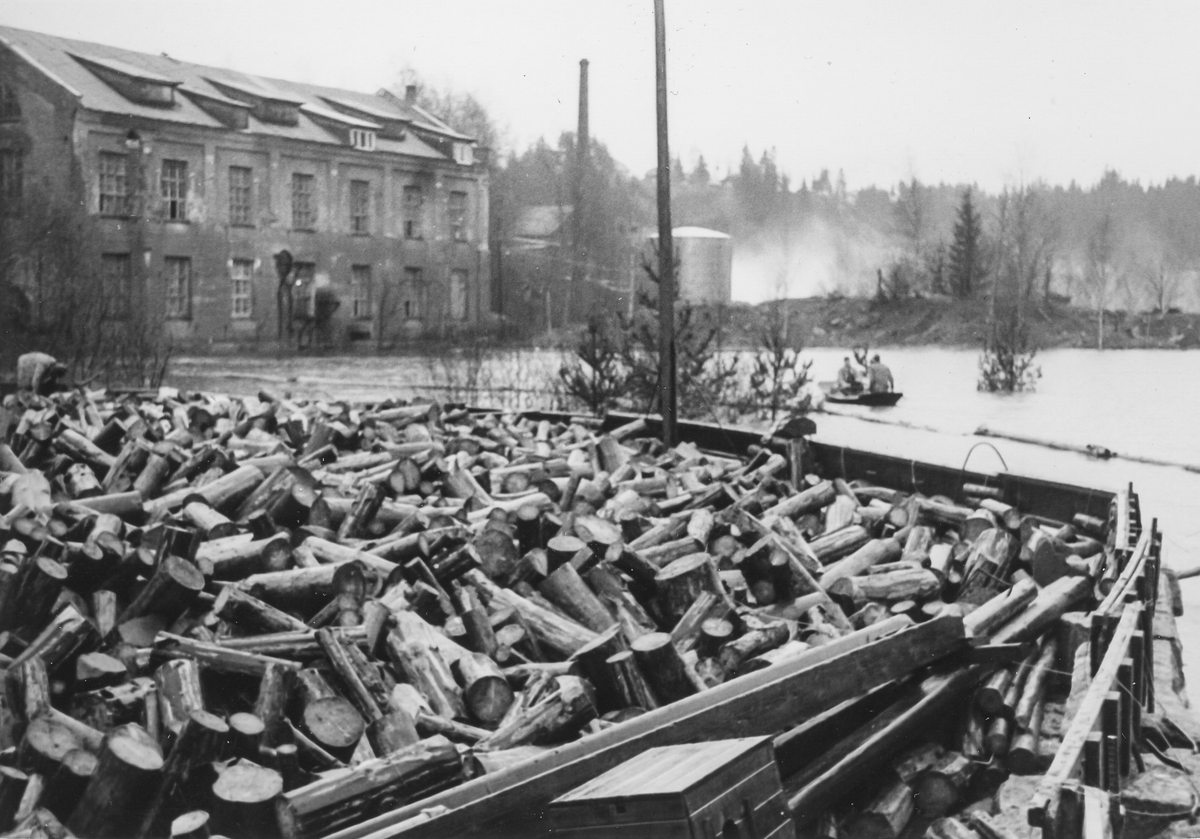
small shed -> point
(724, 789)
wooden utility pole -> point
(666, 258)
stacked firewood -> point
(262, 616)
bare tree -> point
(71, 303)
(1102, 277)
(1161, 278)
(1020, 248)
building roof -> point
(65, 62)
(693, 233)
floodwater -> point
(1140, 403)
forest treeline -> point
(1115, 244)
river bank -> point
(946, 322)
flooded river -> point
(1133, 402)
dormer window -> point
(280, 113)
(134, 83)
(362, 139)
(464, 154)
(268, 105)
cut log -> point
(942, 786)
(243, 799)
(756, 641)
(680, 583)
(1001, 608)
(917, 546)
(631, 688)
(329, 804)
(245, 735)
(251, 615)
(173, 588)
(567, 590)
(179, 693)
(909, 583)
(874, 552)
(663, 667)
(1035, 683)
(1023, 753)
(45, 745)
(333, 724)
(191, 825)
(885, 816)
(985, 573)
(558, 714)
(707, 606)
(66, 786)
(593, 660)
(13, 783)
(485, 690)
(356, 681)
(425, 668)
(558, 633)
(237, 557)
(202, 739)
(274, 693)
(220, 658)
(115, 799)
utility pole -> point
(666, 245)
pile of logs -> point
(255, 617)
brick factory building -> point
(199, 177)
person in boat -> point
(848, 381)
(39, 372)
(879, 377)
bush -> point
(778, 376)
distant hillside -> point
(849, 322)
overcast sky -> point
(994, 93)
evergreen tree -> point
(966, 251)
(700, 175)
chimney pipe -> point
(410, 94)
(582, 133)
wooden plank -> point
(1132, 568)
(760, 703)
(1121, 540)
(1085, 719)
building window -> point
(241, 275)
(412, 295)
(10, 106)
(174, 189)
(177, 270)
(414, 206)
(304, 210)
(114, 185)
(360, 207)
(361, 139)
(303, 278)
(12, 180)
(241, 205)
(360, 291)
(116, 283)
(458, 295)
(458, 216)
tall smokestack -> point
(582, 147)
(583, 110)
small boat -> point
(874, 400)
(871, 400)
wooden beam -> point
(1044, 799)
(760, 703)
